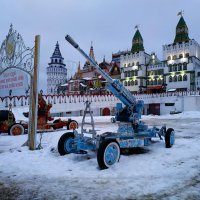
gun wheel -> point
(72, 125)
(169, 138)
(16, 129)
(108, 154)
(66, 144)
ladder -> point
(88, 111)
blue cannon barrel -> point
(115, 86)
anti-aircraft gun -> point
(131, 131)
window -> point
(180, 67)
(184, 66)
(136, 73)
(128, 73)
(170, 68)
(155, 82)
(179, 78)
(132, 83)
(133, 64)
(125, 74)
(185, 77)
(169, 58)
(55, 60)
(174, 57)
(175, 67)
(125, 83)
(137, 64)
(124, 65)
(180, 55)
(169, 104)
(129, 64)
(170, 79)
(187, 55)
(159, 81)
(175, 78)
(129, 83)
(136, 82)
(147, 82)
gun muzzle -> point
(71, 41)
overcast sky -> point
(108, 23)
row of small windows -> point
(155, 72)
(56, 69)
(131, 64)
(130, 73)
(179, 56)
(155, 82)
(131, 83)
(57, 60)
(178, 78)
(179, 67)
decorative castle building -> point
(56, 72)
(179, 70)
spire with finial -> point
(181, 30)
(57, 52)
(91, 54)
(137, 42)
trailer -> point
(131, 133)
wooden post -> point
(32, 129)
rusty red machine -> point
(9, 125)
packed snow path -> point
(150, 173)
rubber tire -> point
(14, 126)
(101, 151)
(61, 143)
(167, 138)
(68, 125)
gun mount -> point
(133, 109)
(131, 131)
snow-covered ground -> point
(150, 173)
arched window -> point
(180, 67)
(169, 58)
(159, 81)
(128, 73)
(185, 77)
(170, 68)
(132, 73)
(125, 74)
(133, 64)
(184, 66)
(170, 79)
(132, 83)
(129, 64)
(174, 57)
(175, 78)
(125, 83)
(129, 83)
(175, 67)
(55, 60)
(136, 82)
(136, 73)
(180, 55)
(187, 55)
(179, 78)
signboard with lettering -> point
(13, 80)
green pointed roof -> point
(137, 42)
(181, 31)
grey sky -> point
(108, 23)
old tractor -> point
(44, 117)
(131, 133)
(10, 126)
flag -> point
(136, 27)
(180, 13)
